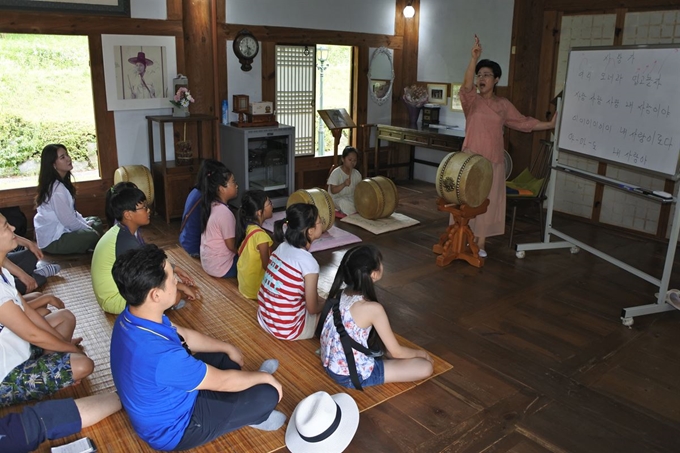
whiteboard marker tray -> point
(267, 184)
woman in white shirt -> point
(39, 354)
(59, 228)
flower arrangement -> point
(182, 98)
(415, 95)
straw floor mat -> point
(222, 313)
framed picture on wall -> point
(139, 71)
(455, 97)
(437, 93)
(113, 7)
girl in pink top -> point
(218, 224)
(485, 116)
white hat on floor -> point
(322, 422)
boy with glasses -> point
(127, 211)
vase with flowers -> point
(415, 97)
(181, 101)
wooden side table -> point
(172, 182)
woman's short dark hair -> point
(300, 217)
(495, 68)
(138, 271)
(124, 196)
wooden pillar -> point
(526, 64)
(198, 26)
(406, 58)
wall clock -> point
(246, 48)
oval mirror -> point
(380, 75)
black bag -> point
(16, 218)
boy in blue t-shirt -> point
(180, 388)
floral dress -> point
(332, 354)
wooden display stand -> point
(268, 120)
(173, 182)
(458, 243)
(336, 120)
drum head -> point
(139, 175)
(464, 178)
(319, 198)
(376, 198)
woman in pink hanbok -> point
(485, 116)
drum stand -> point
(458, 243)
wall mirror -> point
(380, 75)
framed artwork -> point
(99, 7)
(437, 93)
(139, 71)
(455, 105)
(336, 118)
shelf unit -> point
(173, 182)
(260, 158)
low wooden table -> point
(447, 140)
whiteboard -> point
(622, 104)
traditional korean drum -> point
(376, 198)
(319, 198)
(464, 178)
(139, 175)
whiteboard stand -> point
(574, 245)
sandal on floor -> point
(482, 253)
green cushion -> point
(525, 181)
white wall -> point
(366, 16)
(131, 125)
(447, 30)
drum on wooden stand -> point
(139, 175)
(319, 198)
(376, 198)
(464, 178)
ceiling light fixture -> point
(409, 11)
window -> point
(295, 94)
(47, 98)
(309, 79)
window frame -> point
(315, 116)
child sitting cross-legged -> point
(354, 358)
(253, 243)
(289, 304)
(127, 211)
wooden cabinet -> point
(173, 182)
(172, 185)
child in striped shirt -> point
(289, 304)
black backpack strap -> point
(324, 314)
(346, 342)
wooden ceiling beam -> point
(287, 35)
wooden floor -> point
(541, 360)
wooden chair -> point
(531, 184)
